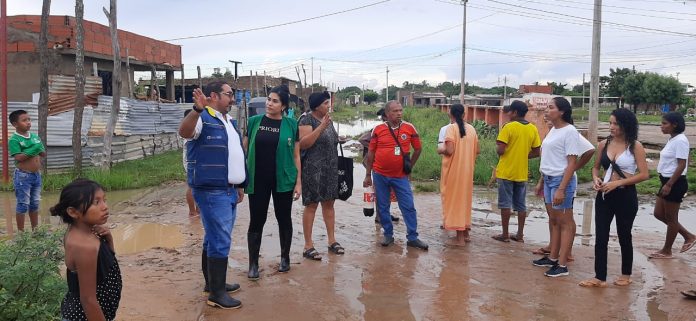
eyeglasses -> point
(229, 94)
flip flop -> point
(687, 246)
(658, 255)
(593, 283)
(501, 238)
(541, 251)
(689, 294)
(622, 282)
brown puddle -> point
(134, 238)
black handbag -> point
(406, 156)
(345, 176)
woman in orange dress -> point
(457, 176)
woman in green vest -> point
(274, 165)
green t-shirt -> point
(30, 146)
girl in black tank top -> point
(93, 274)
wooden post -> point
(128, 72)
(183, 85)
(154, 88)
(79, 87)
(257, 84)
(200, 83)
(115, 84)
(265, 85)
(588, 205)
(43, 91)
(95, 69)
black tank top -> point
(109, 287)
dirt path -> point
(485, 280)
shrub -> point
(31, 287)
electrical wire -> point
(279, 24)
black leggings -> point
(622, 203)
(264, 187)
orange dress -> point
(457, 178)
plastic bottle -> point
(368, 203)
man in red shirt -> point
(386, 158)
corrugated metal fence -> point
(143, 128)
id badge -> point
(397, 151)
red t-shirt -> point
(382, 143)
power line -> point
(279, 24)
(637, 9)
(617, 12)
(603, 22)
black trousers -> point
(264, 188)
(621, 203)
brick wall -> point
(62, 30)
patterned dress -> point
(319, 165)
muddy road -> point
(159, 251)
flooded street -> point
(159, 251)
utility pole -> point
(304, 72)
(583, 90)
(504, 89)
(235, 68)
(320, 81)
(386, 96)
(312, 74)
(461, 91)
(3, 90)
(594, 77)
(265, 86)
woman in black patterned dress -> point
(318, 140)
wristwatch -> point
(197, 110)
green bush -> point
(31, 287)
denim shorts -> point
(27, 186)
(512, 195)
(551, 184)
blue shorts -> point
(27, 186)
(512, 195)
(551, 184)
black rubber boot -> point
(231, 288)
(254, 244)
(285, 241)
(218, 297)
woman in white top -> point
(622, 157)
(559, 152)
(674, 160)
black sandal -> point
(337, 249)
(312, 254)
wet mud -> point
(159, 252)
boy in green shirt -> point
(27, 150)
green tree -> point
(347, 92)
(392, 93)
(217, 74)
(615, 81)
(558, 88)
(658, 89)
(227, 74)
(632, 89)
(370, 96)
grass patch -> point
(344, 113)
(150, 171)
(427, 186)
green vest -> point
(286, 172)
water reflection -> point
(133, 238)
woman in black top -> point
(93, 274)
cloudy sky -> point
(523, 40)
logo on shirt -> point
(403, 136)
(269, 129)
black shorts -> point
(679, 188)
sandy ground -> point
(159, 252)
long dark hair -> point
(563, 105)
(457, 111)
(628, 123)
(79, 195)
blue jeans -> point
(27, 186)
(218, 212)
(404, 195)
(512, 195)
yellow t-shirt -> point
(520, 139)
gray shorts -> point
(512, 195)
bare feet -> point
(517, 237)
